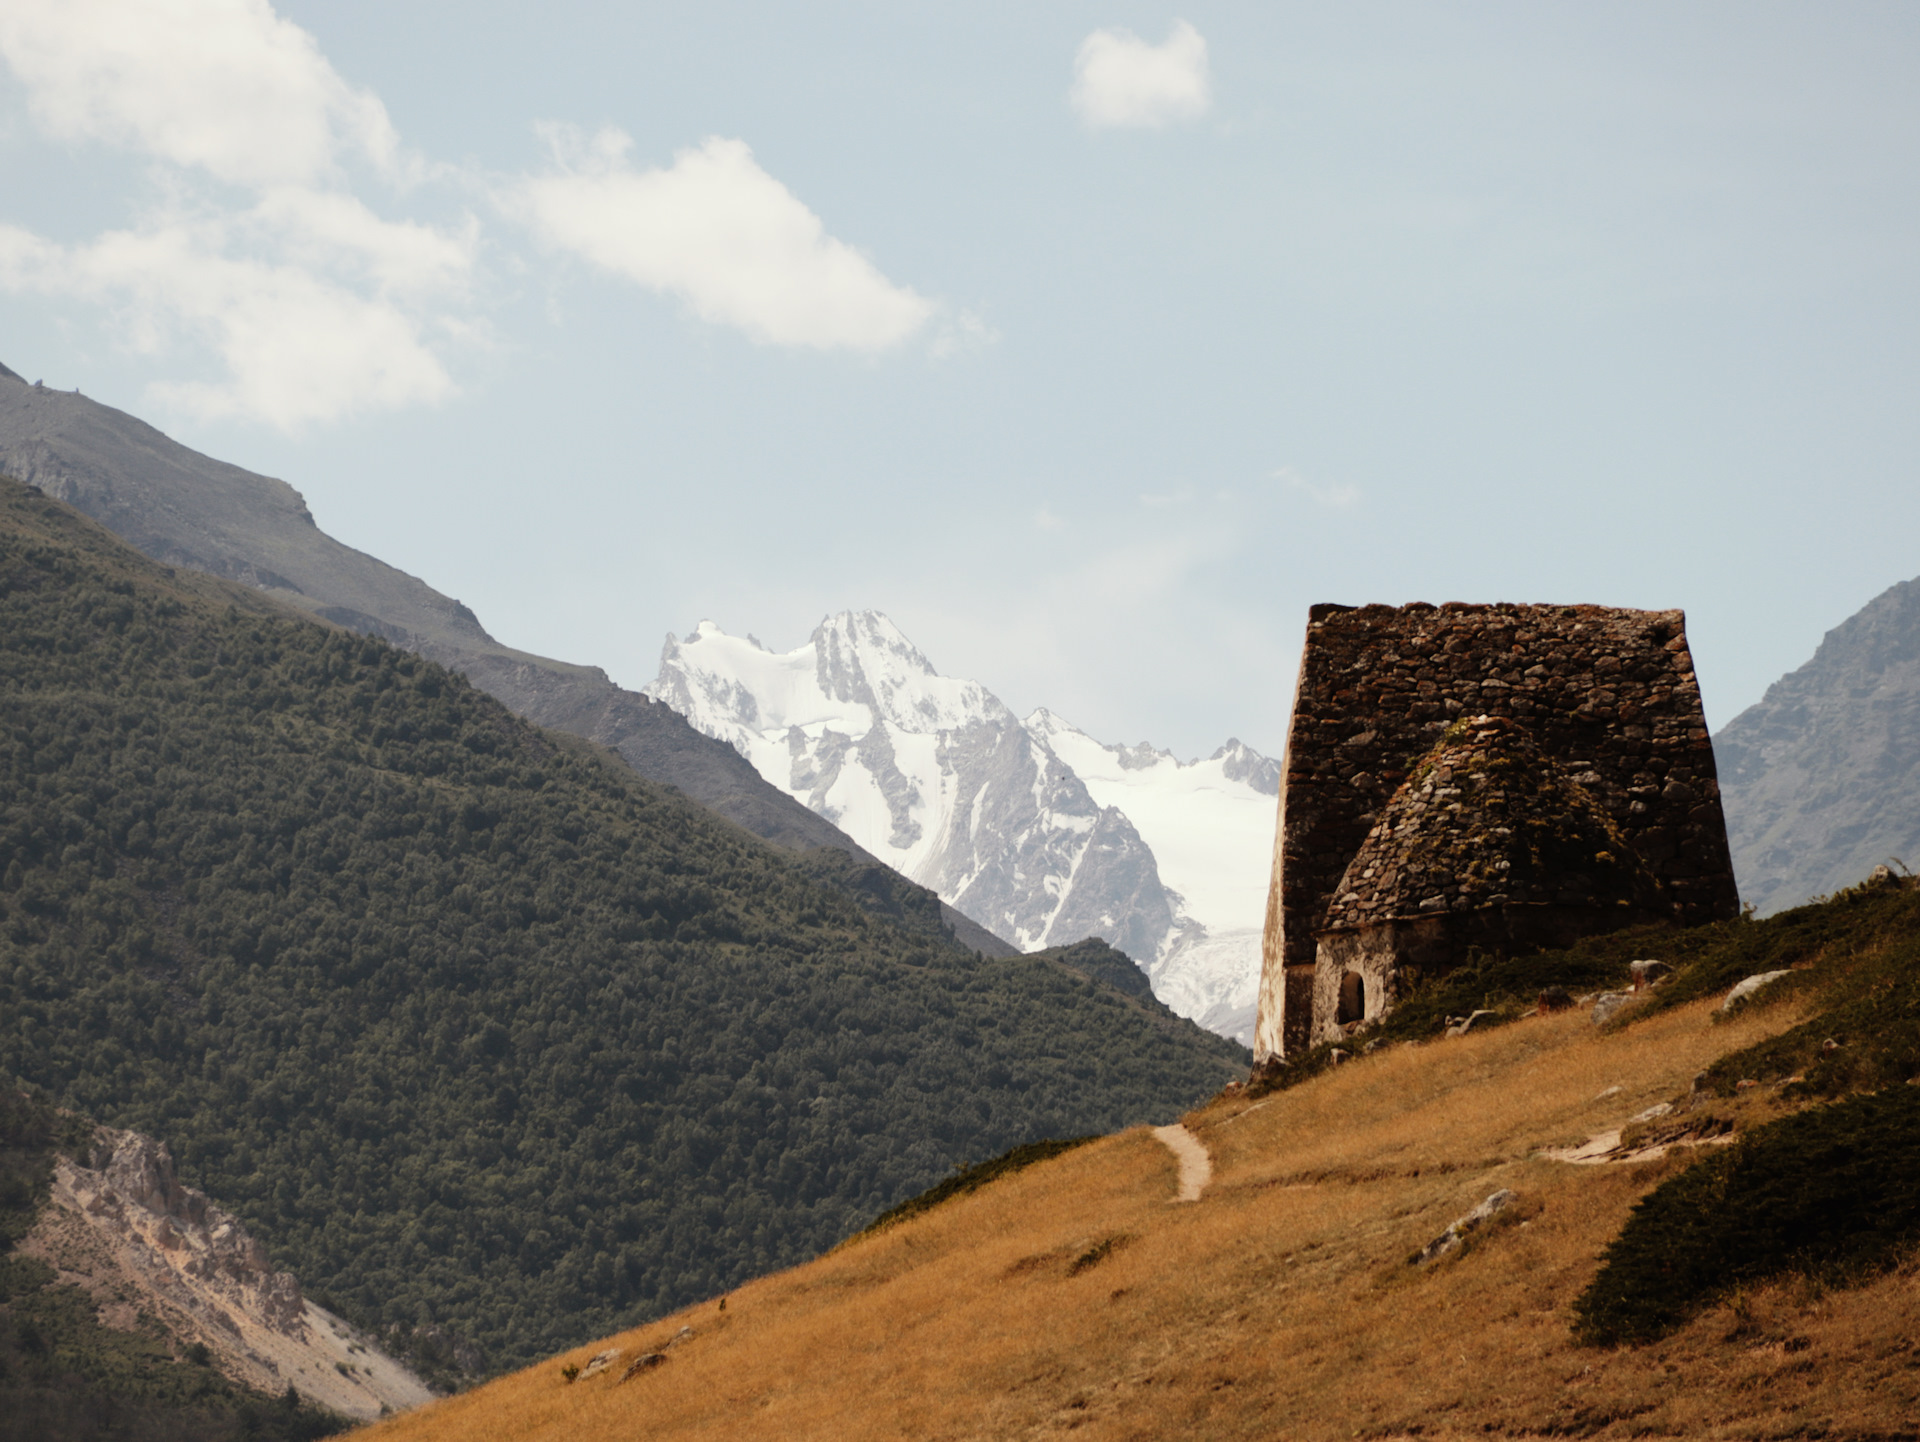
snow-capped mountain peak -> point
(1033, 828)
(1240, 762)
(862, 657)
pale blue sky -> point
(1533, 302)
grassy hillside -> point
(1073, 1294)
(482, 1034)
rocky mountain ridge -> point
(1820, 779)
(1036, 828)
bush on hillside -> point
(1833, 1192)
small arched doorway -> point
(1353, 998)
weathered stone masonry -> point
(1609, 695)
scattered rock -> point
(1744, 990)
(1451, 1239)
(600, 1363)
(1885, 876)
(1612, 1091)
(1608, 1004)
(1829, 1047)
(1658, 1109)
(1467, 1024)
(1648, 972)
(645, 1362)
(1335, 1057)
(1554, 998)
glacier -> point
(1031, 827)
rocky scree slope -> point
(190, 510)
(120, 1221)
(108, 1331)
(1820, 779)
(1042, 832)
(489, 1036)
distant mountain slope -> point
(1036, 828)
(186, 509)
(485, 1032)
(1821, 779)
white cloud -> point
(1333, 498)
(224, 85)
(315, 306)
(719, 232)
(297, 347)
(1121, 80)
(322, 229)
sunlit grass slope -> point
(1075, 1295)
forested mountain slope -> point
(482, 1030)
(190, 510)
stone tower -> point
(1584, 738)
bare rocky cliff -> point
(121, 1225)
(1821, 778)
(190, 510)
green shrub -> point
(1833, 1192)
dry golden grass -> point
(1075, 1297)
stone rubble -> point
(1456, 1235)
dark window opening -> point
(1353, 997)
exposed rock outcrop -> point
(122, 1225)
(1822, 775)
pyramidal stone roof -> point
(1486, 819)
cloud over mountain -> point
(259, 254)
(224, 85)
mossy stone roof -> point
(1486, 819)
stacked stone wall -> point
(1609, 694)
